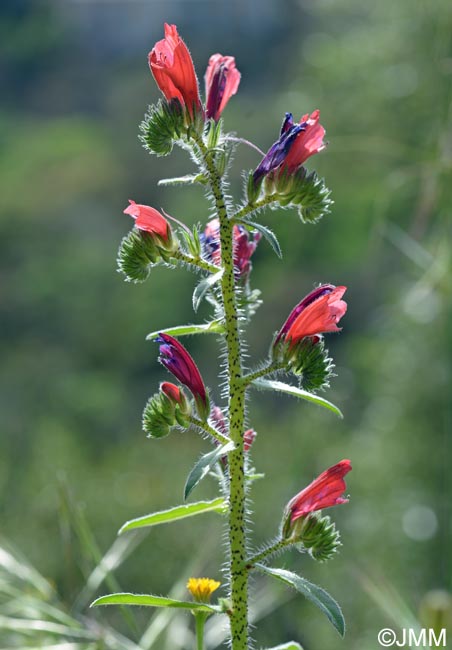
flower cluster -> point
(173, 70)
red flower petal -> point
(320, 316)
(173, 70)
(324, 491)
(148, 219)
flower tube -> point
(173, 70)
(179, 362)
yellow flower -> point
(202, 588)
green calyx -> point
(315, 534)
(305, 190)
(139, 250)
(162, 125)
(308, 359)
(161, 414)
(166, 123)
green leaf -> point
(173, 514)
(287, 646)
(203, 466)
(188, 179)
(265, 232)
(270, 384)
(151, 601)
(215, 327)
(314, 593)
(203, 287)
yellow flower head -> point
(202, 588)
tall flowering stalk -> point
(221, 250)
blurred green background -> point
(76, 370)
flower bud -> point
(164, 410)
(222, 81)
(179, 362)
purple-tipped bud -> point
(178, 361)
(244, 246)
(222, 81)
(278, 152)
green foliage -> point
(175, 514)
(279, 386)
(318, 596)
(146, 600)
(203, 466)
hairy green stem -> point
(205, 426)
(266, 370)
(251, 207)
(270, 550)
(195, 261)
(236, 410)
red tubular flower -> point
(295, 144)
(244, 247)
(324, 491)
(308, 142)
(173, 70)
(317, 313)
(179, 362)
(149, 219)
(222, 81)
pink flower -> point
(149, 219)
(295, 144)
(317, 313)
(179, 362)
(324, 491)
(308, 142)
(173, 70)
(244, 247)
(222, 80)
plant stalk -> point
(236, 410)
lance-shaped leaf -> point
(214, 327)
(203, 287)
(268, 234)
(188, 179)
(152, 601)
(203, 466)
(287, 646)
(174, 514)
(314, 593)
(270, 384)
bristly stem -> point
(205, 426)
(236, 411)
(195, 261)
(249, 208)
(266, 370)
(270, 550)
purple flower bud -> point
(178, 361)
